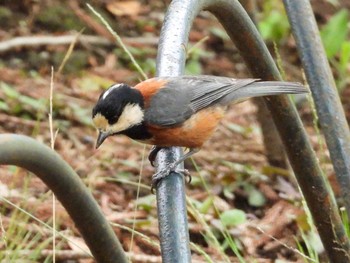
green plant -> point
(24, 243)
(311, 244)
(334, 36)
(345, 219)
(273, 23)
(17, 237)
(195, 53)
(230, 218)
(17, 104)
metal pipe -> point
(171, 200)
(300, 153)
(171, 59)
(319, 76)
(172, 212)
(274, 150)
(27, 153)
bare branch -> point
(34, 41)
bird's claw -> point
(187, 175)
(156, 178)
(153, 154)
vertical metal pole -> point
(171, 201)
(324, 92)
(172, 212)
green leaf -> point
(335, 32)
(83, 115)
(4, 106)
(220, 33)
(255, 197)
(274, 27)
(315, 241)
(91, 82)
(206, 205)
(146, 202)
(193, 67)
(9, 91)
(233, 217)
(245, 131)
(345, 55)
(36, 104)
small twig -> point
(29, 41)
(69, 52)
(5, 200)
(119, 41)
(2, 232)
(52, 140)
(137, 197)
(63, 255)
(196, 45)
(35, 41)
(89, 21)
(20, 122)
(285, 245)
(150, 241)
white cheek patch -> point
(132, 115)
(107, 92)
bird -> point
(179, 111)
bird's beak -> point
(101, 137)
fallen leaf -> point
(124, 8)
(257, 234)
(233, 217)
(78, 244)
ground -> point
(264, 200)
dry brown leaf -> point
(124, 216)
(78, 244)
(258, 233)
(124, 8)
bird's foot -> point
(156, 178)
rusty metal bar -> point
(274, 150)
(171, 59)
(301, 156)
(27, 153)
(324, 92)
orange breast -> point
(192, 133)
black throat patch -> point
(138, 132)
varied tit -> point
(176, 111)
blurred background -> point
(233, 186)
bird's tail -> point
(264, 88)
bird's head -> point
(118, 108)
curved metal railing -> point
(41, 160)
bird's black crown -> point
(112, 101)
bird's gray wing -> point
(185, 95)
